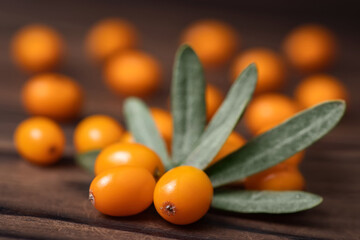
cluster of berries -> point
(130, 176)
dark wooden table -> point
(51, 203)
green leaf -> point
(277, 144)
(87, 160)
(225, 119)
(187, 103)
(142, 126)
(277, 202)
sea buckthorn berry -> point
(39, 140)
(282, 177)
(122, 191)
(213, 41)
(109, 36)
(310, 47)
(234, 142)
(132, 73)
(213, 98)
(96, 132)
(271, 68)
(127, 137)
(40, 96)
(266, 128)
(269, 110)
(183, 195)
(164, 124)
(129, 154)
(37, 48)
(319, 88)
(295, 159)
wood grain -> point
(51, 203)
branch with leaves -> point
(196, 144)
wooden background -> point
(51, 203)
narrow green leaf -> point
(87, 160)
(224, 120)
(277, 144)
(142, 126)
(187, 102)
(277, 202)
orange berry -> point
(37, 48)
(164, 124)
(213, 99)
(319, 88)
(269, 110)
(52, 95)
(109, 36)
(213, 41)
(127, 137)
(234, 142)
(281, 177)
(129, 154)
(39, 140)
(96, 132)
(295, 159)
(310, 47)
(265, 128)
(132, 73)
(122, 191)
(183, 195)
(271, 68)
